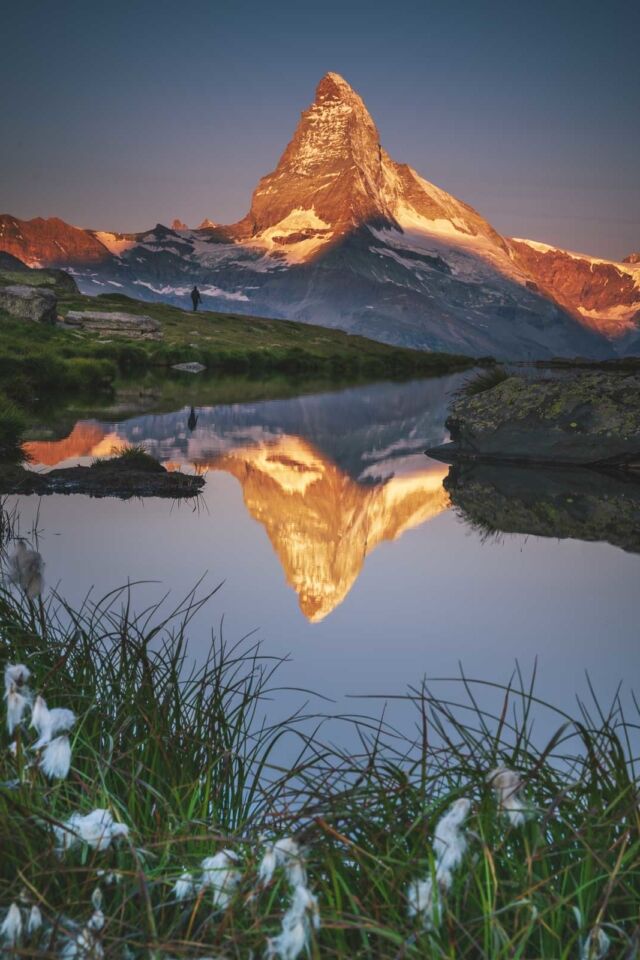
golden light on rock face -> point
(83, 441)
(321, 523)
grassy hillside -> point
(229, 342)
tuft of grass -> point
(192, 759)
(133, 456)
(483, 381)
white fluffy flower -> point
(16, 693)
(17, 704)
(507, 786)
(221, 875)
(449, 848)
(296, 926)
(449, 841)
(11, 929)
(49, 723)
(56, 758)
(268, 865)
(284, 853)
(421, 899)
(184, 888)
(26, 570)
(596, 946)
(16, 674)
(34, 922)
(98, 829)
(83, 946)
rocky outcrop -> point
(553, 502)
(114, 324)
(50, 242)
(604, 294)
(589, 418)
(37, 304)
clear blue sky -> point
(117, 115)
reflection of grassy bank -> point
(165, 392)
(184, 760)
(12, 426)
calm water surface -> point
(337, 539)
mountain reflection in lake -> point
(326, 483)
(383, 551)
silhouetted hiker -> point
(195, 298)
(193, 419)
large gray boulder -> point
(114, 324)
(29, 303)
(590, 418)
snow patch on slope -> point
(208, 290)
(314, 233)
(114, 242)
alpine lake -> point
(341, 546)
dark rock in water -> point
(558, 502)
(114, 324)
(118, 477)
(37, 304)
(192, 367)
(592, 418)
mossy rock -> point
(589, 418)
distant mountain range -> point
(342, 235)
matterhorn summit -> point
(342, 235)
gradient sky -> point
(118, 115)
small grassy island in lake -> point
(130, 473)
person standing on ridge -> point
(195, 298)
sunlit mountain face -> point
(342, 235)
(326, 483)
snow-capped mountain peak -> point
(342, 235)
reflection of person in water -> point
(193, 419)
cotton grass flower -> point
(507, 785)
(55, 761)
(423, 900)
(26, 570)
(16, 693)
(283, 853)
(98, 829)
(300, 918)
(449, 840)
(34, 923)
(596, 946)
(221, 876)
(185, 887)
(83, 946)
(11, 929)
(49, 723)
(449, 848)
